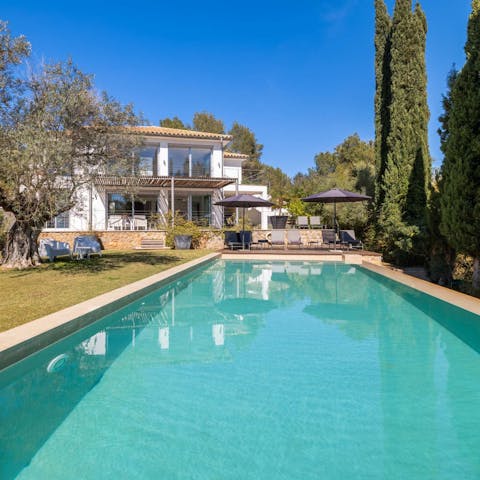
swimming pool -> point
(254, 370)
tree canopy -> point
(56, 135)
(206, 122)
(351, 166)
(174, 122)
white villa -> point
(183, 171)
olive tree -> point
(56, 134)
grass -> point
(30, 294)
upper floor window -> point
(144, 163)
(141, 162)
(189, 162)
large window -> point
(144, 164)
(189, 162)
(119, 204)
(179, 162)
(201, 158)
(62, 220)
(193, 207)
(201, 209)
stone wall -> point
(128, 239)
(111, 239)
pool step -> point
(151, 244)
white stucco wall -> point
(216, 166)
(162, 159)
(99, 207)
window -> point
(193, 207)
(145, 161)
(141, 162)
(189, 162)
(119, 204)
(62, 220)
(201, 209)
(178, 162)
(201, 158)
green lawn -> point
(29, 294)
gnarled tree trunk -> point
(21, 246)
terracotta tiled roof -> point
(227, 154)
(177, 132)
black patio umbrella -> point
(244, 201)
(335, 196)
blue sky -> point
(300, 75)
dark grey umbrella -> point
(336, 195)
(244, 201)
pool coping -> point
(458, 299)
(19, 342)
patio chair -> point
(315, 222)
(277, 237)
(328, 236)
(302, 222)
(140, 222)
(294, 238)
(347, 238)
(115, 222)
(232, 240)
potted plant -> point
(182, 242)
(280, 220)
(183, 235)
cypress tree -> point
(383, 27)
(403, 161)
(460, 184)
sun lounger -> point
(294, 238)
(347, 238)
(232, 240)
(245, 238)
(277, 238)
(328, 237)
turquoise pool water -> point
(254, 370)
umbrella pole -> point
(243, 230)
(335, 225)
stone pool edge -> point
(458, 299)
(19, 342)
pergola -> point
(163, 182)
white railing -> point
(233, 172)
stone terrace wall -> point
(111, 239)
(128, 239)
